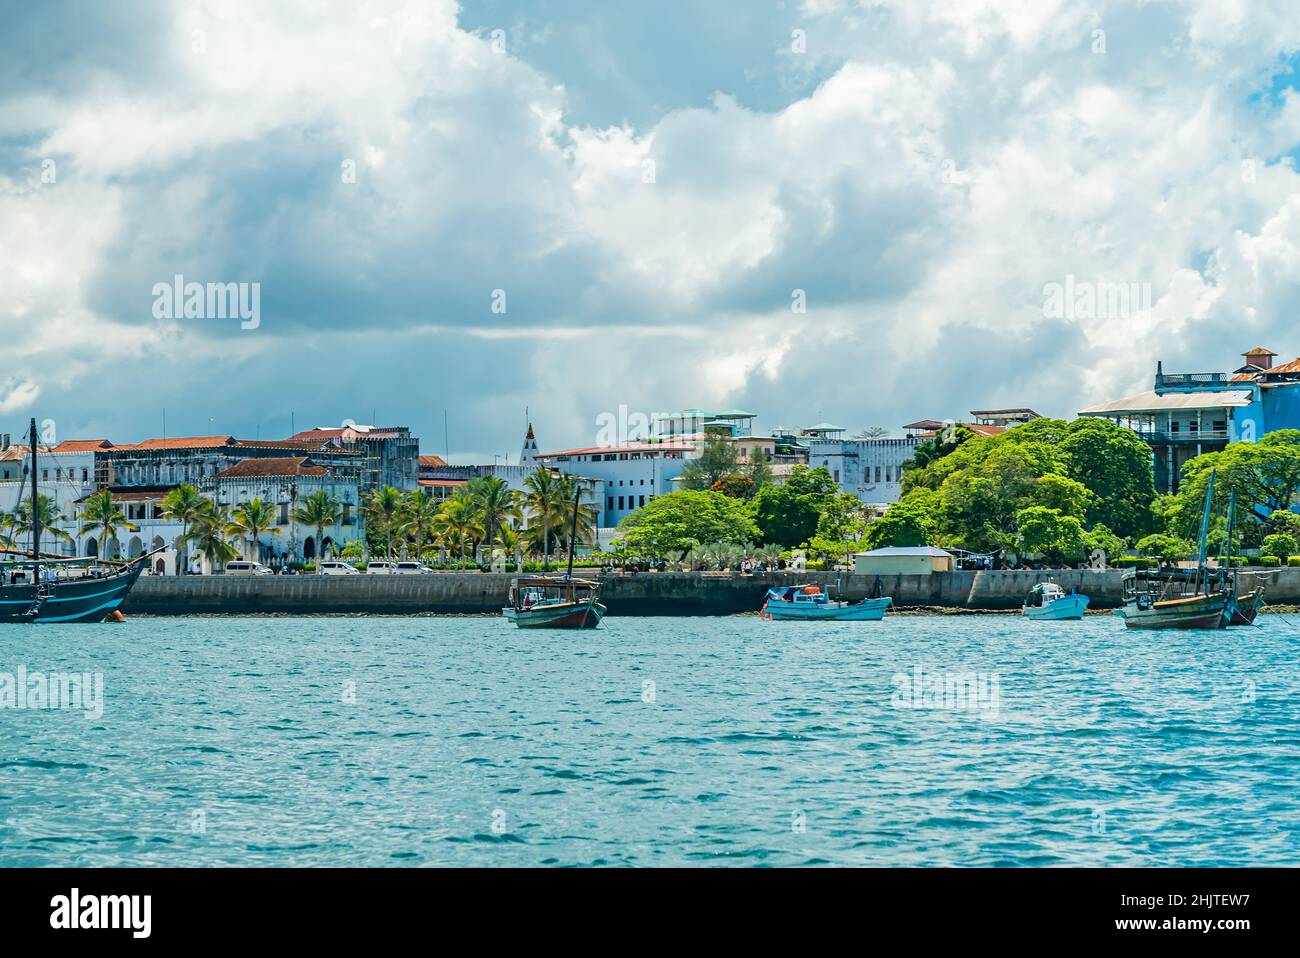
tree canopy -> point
(671, 524)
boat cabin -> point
(531, 592)
(807, 594)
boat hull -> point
(1059, 610)
(75, 600)
(868, 610)
(561, 615)
(1196, 612)
(1244, 608)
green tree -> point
(1114, 464)
(1280, 544)
(252, 519)
(671, 524)
(183, 504)
(99, 513)
(319, 511)
(760, 470)
(458, 524)
(1168, 549)
(419, 519)
(383, 511)
(49, 512)
(209, 534)
(544, 507)
(717, 459)
(1050, 533)
(787, 515)
(495, 503)
(906, 523)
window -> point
(620, 503)
(45, 475)
(643, 500)
(610, 504)
(837, 475)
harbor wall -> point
(657, 593)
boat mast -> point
(1205, 535)
(36, 514)
(573, 530)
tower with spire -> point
(528, 455)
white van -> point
(412, 567)
(335, 567)
(240, 567)
(380, 568)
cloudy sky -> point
(568, 206)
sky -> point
(487, 212)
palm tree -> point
(586, 530)
(7, 540)
(458, 522)
(383, 510)
(100, 513)
(420, 519)
(49, 512)
(496, 503)
(252, 519)
(319, 510)
(545, 507)
(209, 531)
(183, 504)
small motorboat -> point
(809, 602)
(1049, 601)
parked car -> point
(335, 567)
(411, 567)
(380, 568)
(241, 567)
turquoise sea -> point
(465, 741)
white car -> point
(334, 567)
(240, 567)
(411, 568)
(380, 568)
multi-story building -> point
(1187, 414)
(629, 475)
(285, 483)
(870, 469)
(387, 455)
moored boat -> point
(1048, 601)
(35, 588)
(554, 602)
(810, 603)
(1243, 608)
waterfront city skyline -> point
(653, 213)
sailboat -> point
(556, 601)
(41, 589)
(1242, 609)
(1200, 598)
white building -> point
(871, 469)
(632, 475)
(66, 473)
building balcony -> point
(1164, 438)
(1190, 380)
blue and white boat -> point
(809, 602)
(1047, 600)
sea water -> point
(949, 740)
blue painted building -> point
(1187, 414)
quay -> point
(654, 593)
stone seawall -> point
(641, 594)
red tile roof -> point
(294, 466)
(432, 461)
(1259, 351)
(442, 482)
(182, 442)
(82, 445)
(1292, 367)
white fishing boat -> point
(810, 603)
(1049, 601)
